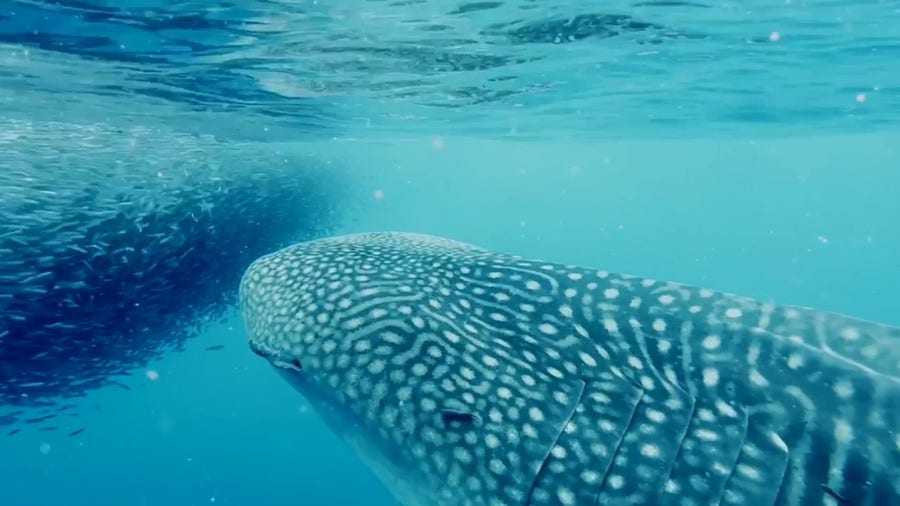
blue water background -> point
(787, 191)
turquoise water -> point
(750, 148)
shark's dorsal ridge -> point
(481, 378)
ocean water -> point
(749, 147)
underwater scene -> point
(449, 253)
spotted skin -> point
(464, 376)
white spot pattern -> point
(469, 352)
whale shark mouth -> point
(272, 357)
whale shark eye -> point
(296, 364)
(454, 417)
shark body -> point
(467, 377)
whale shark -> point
(463, 376)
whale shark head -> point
(462, 376)
(355, 324)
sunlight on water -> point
(586, 69)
